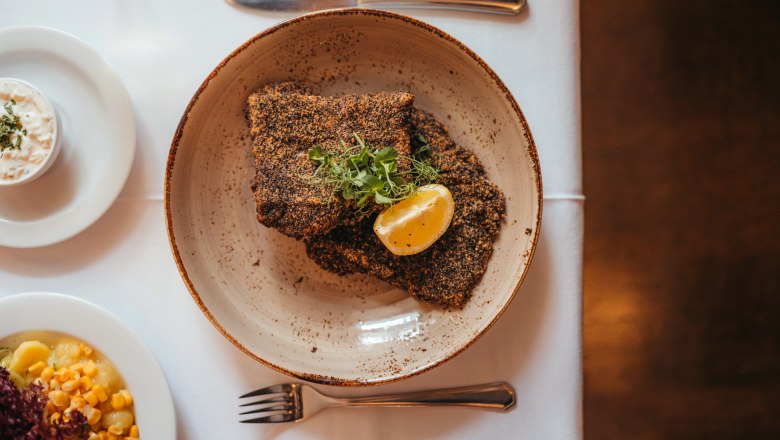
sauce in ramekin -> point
(38, 147)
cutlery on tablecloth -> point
(507, 7)
(294, 401)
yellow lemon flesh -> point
(414, 224)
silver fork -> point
(292, 402)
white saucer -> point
(53, 312)
(98, 126)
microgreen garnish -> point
(11, 130)
(363, 173)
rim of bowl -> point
(55, 151)
(433, 31)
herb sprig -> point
(11, 130)
(363, 173)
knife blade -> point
(505, 7)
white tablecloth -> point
(163, 50)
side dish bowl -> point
(257, 286)
(42, 312)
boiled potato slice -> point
(122, 419)
(28, 353)
(107, 377)
(66, 354)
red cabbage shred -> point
(22, 415)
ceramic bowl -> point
(257, 286)
(39, 313)
(56, 145)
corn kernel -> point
(128, 397)
(86, 349)
(86, 383)
(90, 369)
(62, 374)
(91, 398)
(70, 385)
(47, 373)
(118, 401)
(100, 392)
(54, 384)
(113, 429)
(93, 415)
(55, 418)
(134, 431)
(78, 402)
(59, 398)
(78, 366)
(36, 368)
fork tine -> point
(281, 388)
(271, 399)
(280, 406)
(274, 418)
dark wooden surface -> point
(681, 138)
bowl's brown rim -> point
(532, 152)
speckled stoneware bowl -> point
(257, 286)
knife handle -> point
(505, 7)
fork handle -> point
(497, 395)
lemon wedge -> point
(415, 223)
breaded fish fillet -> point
(286, 120)
(446, 272)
